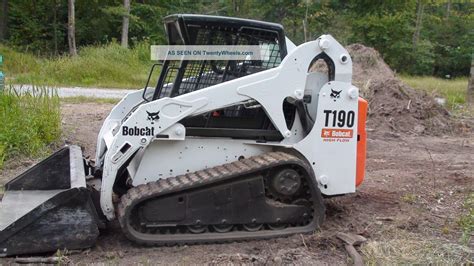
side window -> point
(188, 76)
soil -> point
(413, 191)
(395, 106)
(81, 125)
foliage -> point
(467, 221)
(15, 63)
(85, 99)
(453, 90)
(443, 47)
(37, 26)
(389, 34)
(454, 46)
(30, 122)
(102, 66)
(421, 58)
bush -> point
(417, 60)
(17, 62)
(100, 66)
(388, 33)
(30, 122)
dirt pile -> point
(367, 66)
(393, 105)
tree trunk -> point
(448, 8)
(305, 23)
(419, 21)
(4, 20)
(125, 23)
(470, 85)
(235, 7)
(55, 26)
(295, 18)
(71, 28)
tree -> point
(470, 85)
(125, 23)
(4, 20)
(419, 21)
(55, 26)
(448, 8)
(71, 28)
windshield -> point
(180, 77)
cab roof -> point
(183, 26)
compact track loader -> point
(216, 151)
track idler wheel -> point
(286, 182)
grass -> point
(453, 90)
(109, 66)
(409, 198)
(30, 122)
(408, 249)
(85, 99)
(466, 222)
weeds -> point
(409, 198)
(466, 222)
(453, 91)
(85, 99)
(30, 122)
(410, 249)
(99, 66)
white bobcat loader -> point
(216, 151)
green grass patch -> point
(85, 99)
(467, 220)
(17, 63)
(30, 122)
(453, 90)
(109, 66)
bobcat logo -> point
(153, 116)
(335, 94)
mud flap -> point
(48, 207)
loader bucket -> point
(48, 207)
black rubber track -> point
(202, 178)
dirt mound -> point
(367, 66)
(393, 105)
(397, 107)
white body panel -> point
(167, 158)
(333, 158)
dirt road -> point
(408, 207)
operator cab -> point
(245, 120)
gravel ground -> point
(408, 208)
